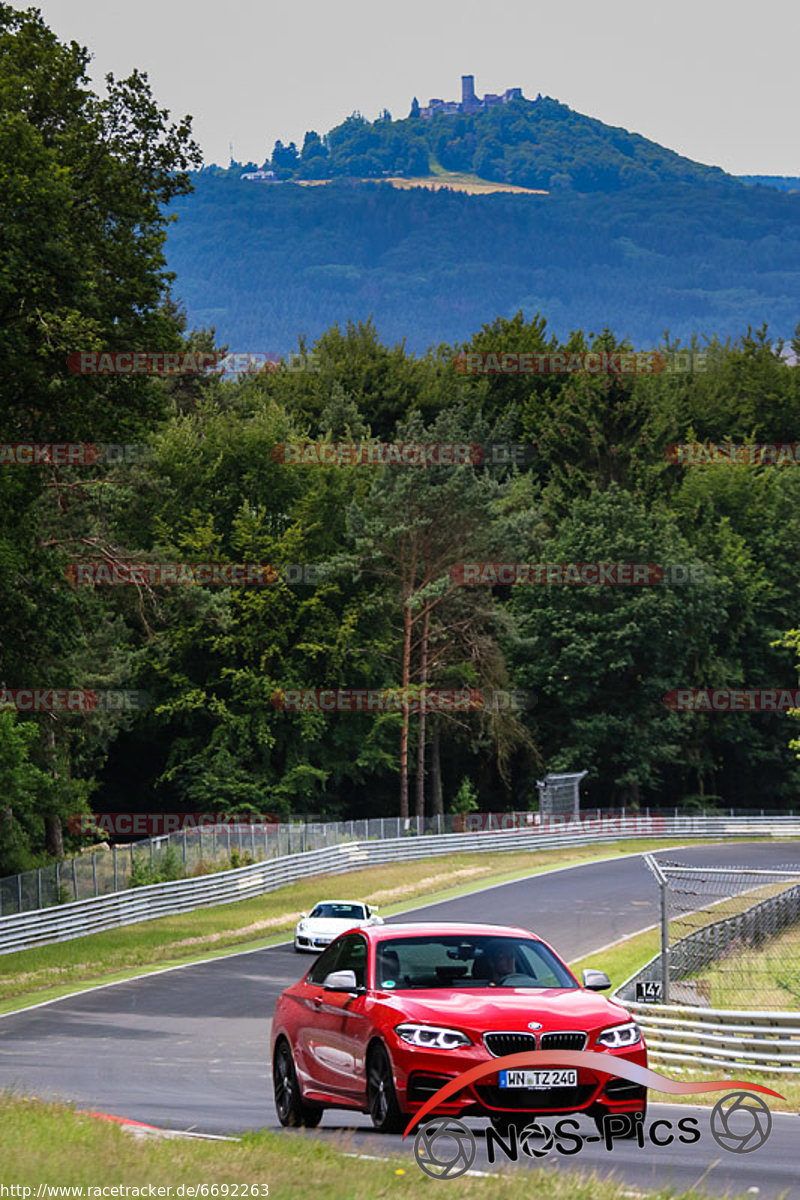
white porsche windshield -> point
(338, 912)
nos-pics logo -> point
(445, 1148)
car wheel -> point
(381, 1095)
(601, 1111)
(289, 1104)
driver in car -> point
(500, 960)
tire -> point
(381, 1095)
(291, 1110)
(601, 1111)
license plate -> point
(555, 1077)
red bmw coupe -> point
(388, 1015)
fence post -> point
(664, 943)
(114, 852)
(39, 888)
(94, 871)
(151, 851)
(75, 874)
(184, 847)
(58, 882)
(19, 893)
(228, 832)
(253, 840)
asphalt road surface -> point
(188, 1048)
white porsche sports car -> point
(315, 930)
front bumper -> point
(419, 1073)
(304, 941)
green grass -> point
(767, 977)
(620, 962)
(53, 1145)
(46, 972)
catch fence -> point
(730, 939)
(75, 919)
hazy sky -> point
(717, 81)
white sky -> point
(716, 80)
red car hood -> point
(506, 1008)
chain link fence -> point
(730, 939)
(199, 849)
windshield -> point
(340, 912)
(452, 960)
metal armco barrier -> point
(681, 1036)
(22, 930)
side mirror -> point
(341, 981)
(376, 920)
(596, 981)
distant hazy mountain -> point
(784, 183)
(630, 235)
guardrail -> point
(681, 1036)
(61, 923)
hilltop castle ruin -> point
(470, 103)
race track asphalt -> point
(188, 1048)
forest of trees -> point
(87, 184)
(264, 262)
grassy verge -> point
(52, 1145)
(745, 977)
(46, 972)
(621, 961)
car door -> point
(335, 1032)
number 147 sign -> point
(648, 991)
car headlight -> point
(620, 1035)
(432, 1036)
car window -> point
(354, 958)
(325, 964)
(339, 912)
(453, 961)
(346, 954)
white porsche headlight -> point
(432, 1036)
(620, 1035)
